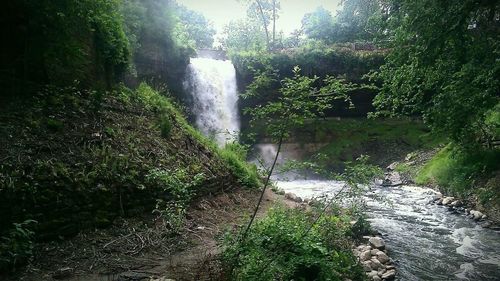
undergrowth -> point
(282, 247)
(81, 158)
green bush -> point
(235, 156)
(17, 246)
(278, 248)
(178, 187)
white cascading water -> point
(212, 84)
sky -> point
(220, 12)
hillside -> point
(80, 159)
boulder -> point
(293, 197)
(374, 252)
(367, 266)
(382, 257)
(63, 273)
(389, 275)
(377, 242)
(392, 167)
(476, 215)
(376, 264)
(392, 179)
(372, 273)
(456, 203)
(390, 266)
(447, 200)
(366, 255)
(376, 278)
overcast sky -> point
(220, 12)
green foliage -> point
(16, 247)
(54, 125)
(243, 35)
(179, 189)
(197, 27)
(282, 247)
(357, 20)
(444, 65)
(456, 170)
(348, 138)
(319, 25)
(297, 101)
(165, 127)
(235, 156)
(71, 40)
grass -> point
(233, 154)
(458, 171)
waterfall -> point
(212, 84)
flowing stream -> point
(426, 241)
(212, 85)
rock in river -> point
(377, 242)
(382, 257)
(389, 275)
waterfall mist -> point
(212, 84)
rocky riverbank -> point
(373, 257)
(400, 173)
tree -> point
(197, 27)
(319, 25)
(243, 35)
(265, 12)
(444, 66)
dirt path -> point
(133, 250)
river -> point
(426, 241)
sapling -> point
(298, 100)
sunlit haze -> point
(221, 12)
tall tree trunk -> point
(264, 22)
(274, 25)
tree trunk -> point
(264, 22)
(274, 25)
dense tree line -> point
(96, 42)
(442, 58)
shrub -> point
(282, 247)
(235, 155)
(17, 246)
(178, 187)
